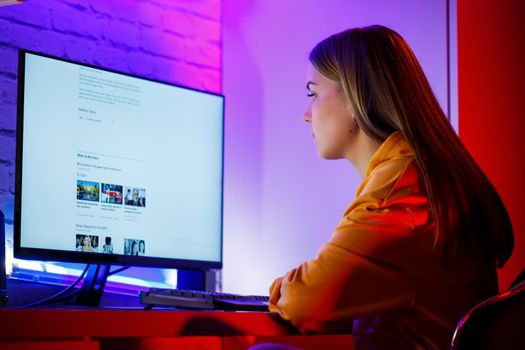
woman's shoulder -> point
(394, 193)
(388, 218)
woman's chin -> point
(327, 155)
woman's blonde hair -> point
(388, 91)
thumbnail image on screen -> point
(111, 194)
(87, 243)
(135, 196)
(107, 248)
(135, 247)
(87, 191)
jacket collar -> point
(394, 146)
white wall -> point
(281, 201)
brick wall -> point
(177, 41)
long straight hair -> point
(388, 91)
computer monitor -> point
(113, 168)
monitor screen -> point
(115, 168)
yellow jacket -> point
(381, 269)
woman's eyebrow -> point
(308, 85)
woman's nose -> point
(307, 116)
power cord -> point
(118, 270)
(60, 295)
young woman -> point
(420, 244)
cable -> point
(73, 293)
(58, 296)
(118, 270)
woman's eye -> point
(311, 94)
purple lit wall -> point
(173, 41)
(282, 201)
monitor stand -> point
(93, 285)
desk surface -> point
(120, 329)
(56, 323)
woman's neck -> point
(364, 149)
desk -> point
(92, 329)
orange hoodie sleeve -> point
(369, 264)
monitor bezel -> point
(98, 258)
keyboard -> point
(191, 299)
